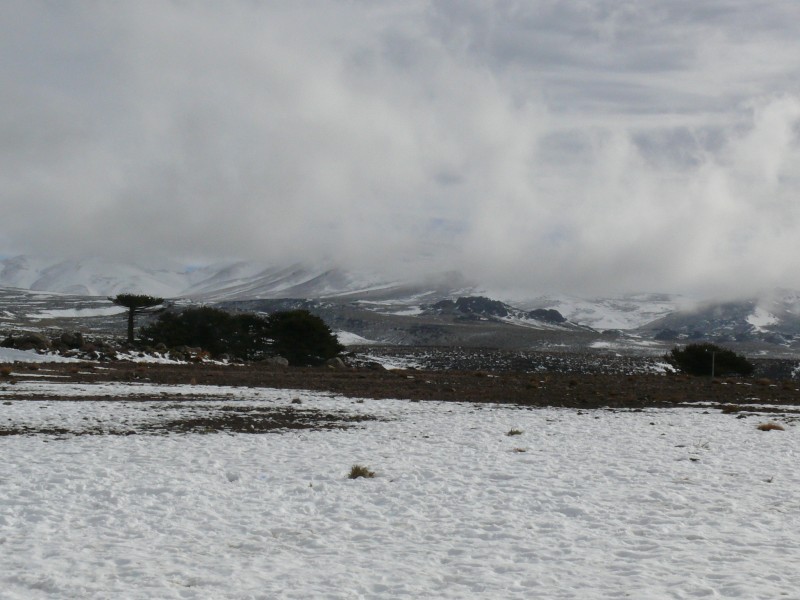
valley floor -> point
(100, 499)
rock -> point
(548, 315)
(71, 339)
(479, 305)
(335, 363)
(666, 335)
(275, 362)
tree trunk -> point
(131, 312)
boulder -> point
(335, 363)
(275, 362)
(71, 339)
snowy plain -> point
(678, 503)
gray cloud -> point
(600, 146)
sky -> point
(588, 146)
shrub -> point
(302, 338)
(202, 327)
(697, 359)
(297, 335)
(357, 471)
(514, 432)
(5, 371)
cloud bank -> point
(584, 147)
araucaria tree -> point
(135, 303)
(707, 359)
(297, 335)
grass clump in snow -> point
(5, 371)
(357, 471)
(514, 432)
(770, 427)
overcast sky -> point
(584, 146)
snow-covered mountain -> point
(91, 277)
(224, 281)
(249, 280)
(772, 319)
(625, 311)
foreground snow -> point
(660, 504)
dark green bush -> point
(297, 335)
(696, 359)
(302, 338)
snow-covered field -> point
(599, 504)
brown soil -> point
(549, 389)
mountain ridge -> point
(773, 319)
(242, 280)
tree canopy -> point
(698, 359)
(135, 303)
(297, 335)
(302, 338)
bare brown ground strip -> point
(545, 389)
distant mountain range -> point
(399, 306)
(224, 281)
(247, 281)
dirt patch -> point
(526, 389)
(216, 419)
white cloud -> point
(591, 146)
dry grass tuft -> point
(357, 471)
(515, 432)
(5, 371)
(730, 409)
(770, 427)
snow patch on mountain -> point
(628, 311)
(346, 338)
(761, 318)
